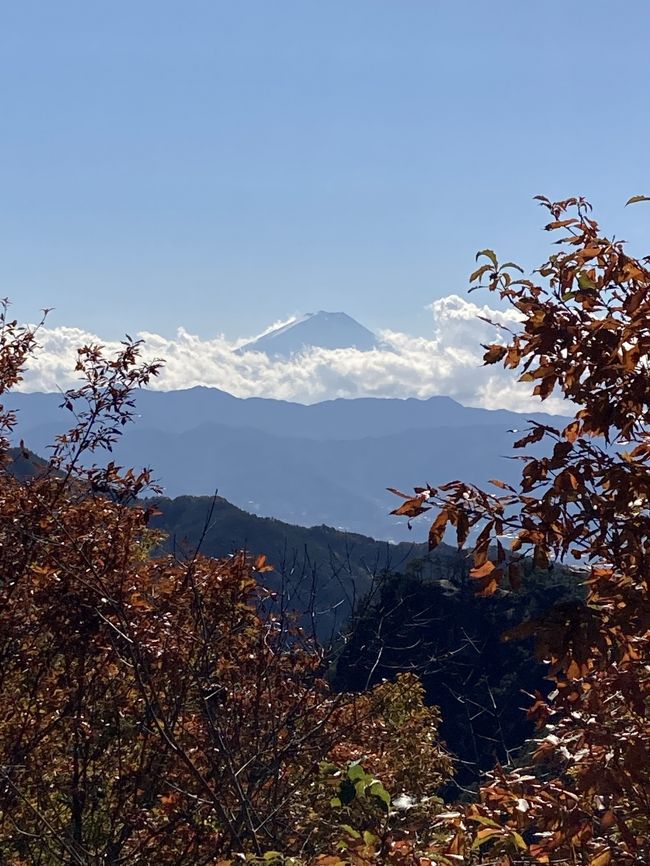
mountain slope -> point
(331, 568)
(314, 330)
(341, 483)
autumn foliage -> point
(156, 710)
(153, 710)
(584, 334)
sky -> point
(217, 166)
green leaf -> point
(378, 790)
(356, 771)
(487, 822)
(351, 831)
(585, 282)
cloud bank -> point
(448, 362)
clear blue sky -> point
(220, 164)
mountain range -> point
(325, 463)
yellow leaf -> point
(519, 840)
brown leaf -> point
(536, 434)
(602, 859)
(572, 431)
(540, 557)
(462, 528)
(437, 531)
(560, 224)
(478, 273)
(399, 493)
(633, 200)
(489, 584)
(412, 507)
(513, 357)
(494, 353)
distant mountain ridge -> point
(314, 330)
(326, 463)
(343, 418)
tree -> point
(584, 333)
(151, 708)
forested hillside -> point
(380, 609)
(317, 568)
(396, 608)
(479, 674)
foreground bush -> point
(150, 710)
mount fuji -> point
(314, 330)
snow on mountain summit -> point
(314, 330)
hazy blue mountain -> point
(178, 411)
(306, 481)
(328, 463)
(314, 330)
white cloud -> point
(448, 362)
(274, 326)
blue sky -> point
(220, 165)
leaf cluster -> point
(583, 334)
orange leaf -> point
(483, 570)
(262, 565)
